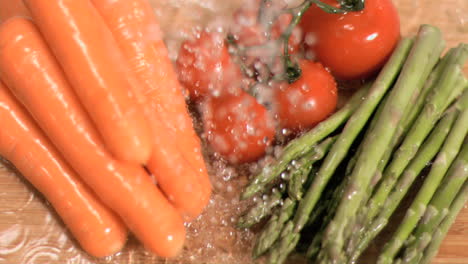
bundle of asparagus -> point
(335, 188)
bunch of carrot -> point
(88, 99)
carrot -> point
(137, 33)
(96, 228)
(94, 66)
(10, 8)
(28, 67)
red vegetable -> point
(307, 101)
(205, 67)
(238, 127)
(355, 44)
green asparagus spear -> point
(429, 43)
(300, 174)
(436, 104)
(285, 245)
(443, 161)
(359, 241)
(314, 248)
(304, 144)
(350, 131)
(410, 116)
(260, 210)
(439, 205)
(441, 231)
(427, 152)
(273, 228)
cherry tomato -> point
(237, 127)
(355, 44)
(307, 101)
(204, 66)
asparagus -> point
(429, 43)
(350, 131)
(436, 104)
(444, 159)
(441, 231)
(273, 228)
(300, 175)
(304, 144)
(410, 145)
(426, 153)
(412, 113)
(314, 247)
(285, 245)
(361, 240)
(408, 118)
(439, 205)
(260, 210)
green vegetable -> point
(439, 206)
(273, 228)
(351, 130)
(443, 161)
(260, 210)
(300, 175)
(427, 152)
(436, 103)
(441, 231)
(429, 43)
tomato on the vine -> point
(205, 67)
(237, 127)
(354, 44)
(307, 101)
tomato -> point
(237, 127)
(307, 101)
(355, 44)
(204, 66)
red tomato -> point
(355, 44)
(237, 127)
(204, 66)
(307, 101)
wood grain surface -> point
(31, 233)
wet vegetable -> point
(353, 44)
(238, 127)
(407, 118)
(205, 68)
(307, 101)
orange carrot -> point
(28, 67)
(137, 33)
(96, 228)
(10, 8)
(95, 67)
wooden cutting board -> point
(31, 233)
